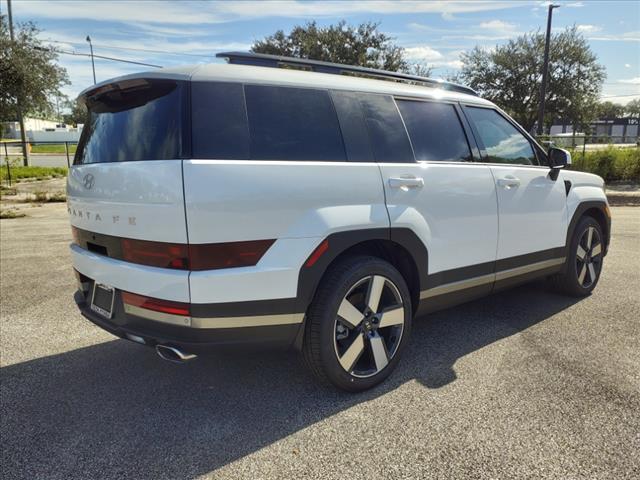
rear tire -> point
(358, 324)
(584, 260)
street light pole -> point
(23, 134)
(93, 65)
(545, 71)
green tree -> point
(609, 110)
(28, 72)
(77, 113)
(633, 108)
(510, 76)
(363, 45)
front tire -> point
(358, 324)
(584, 261)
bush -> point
(611, 163)
(20, 173)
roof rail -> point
(278, 61)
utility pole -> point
(545, 71)
(93, 65)
(23, 134)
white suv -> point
(245, 203)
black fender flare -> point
(581, 209)
(339, 242)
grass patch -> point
(36, 173)
(7, 191)
(54, 148)
(11, 213)
(612, 164)
(40, 196)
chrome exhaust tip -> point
(172, 354)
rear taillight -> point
(155, 254)
(155, 304)
(208, 256)
(179, 256)
(226, 255)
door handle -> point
(509, 182)
(406, 182)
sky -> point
(172, 33)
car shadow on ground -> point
(114, 408)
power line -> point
(137, 49)
(104, 57)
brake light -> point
(155, 254)
(156, 304)
(226, 255)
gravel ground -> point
(521, 384)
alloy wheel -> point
(369, 326)
(589, 257)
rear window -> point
(133, 120)
(293, 124)
(435, 130)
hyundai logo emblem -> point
(88, 181)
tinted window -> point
(387, 134)
(133, 120)
(502, 141)
(219, 121)
(353, 126)
(293, 124)
(435, 131)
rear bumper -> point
(267, 331)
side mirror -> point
(559, 158)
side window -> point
(353, 126)
(219, 121)
(387, 134)
(293, 124)
(502, 141)
(435, 131)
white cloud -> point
(497, 25)
(632, 81)
(633, 36)
(627, 65)
(589, 28)
(187, 12)
(448, 16)
(425, 54)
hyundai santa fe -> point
(320, 207)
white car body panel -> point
(142, 200)
(250, 200)
(454, 213)
(585, 187)
(155, 282)
(275, 275)
(533, 214)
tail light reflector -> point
(157, 305)
(317, 253)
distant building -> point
(615, 130)
(39, 130)
(12, 129)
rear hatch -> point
(126, 180)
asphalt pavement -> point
(522, 384)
